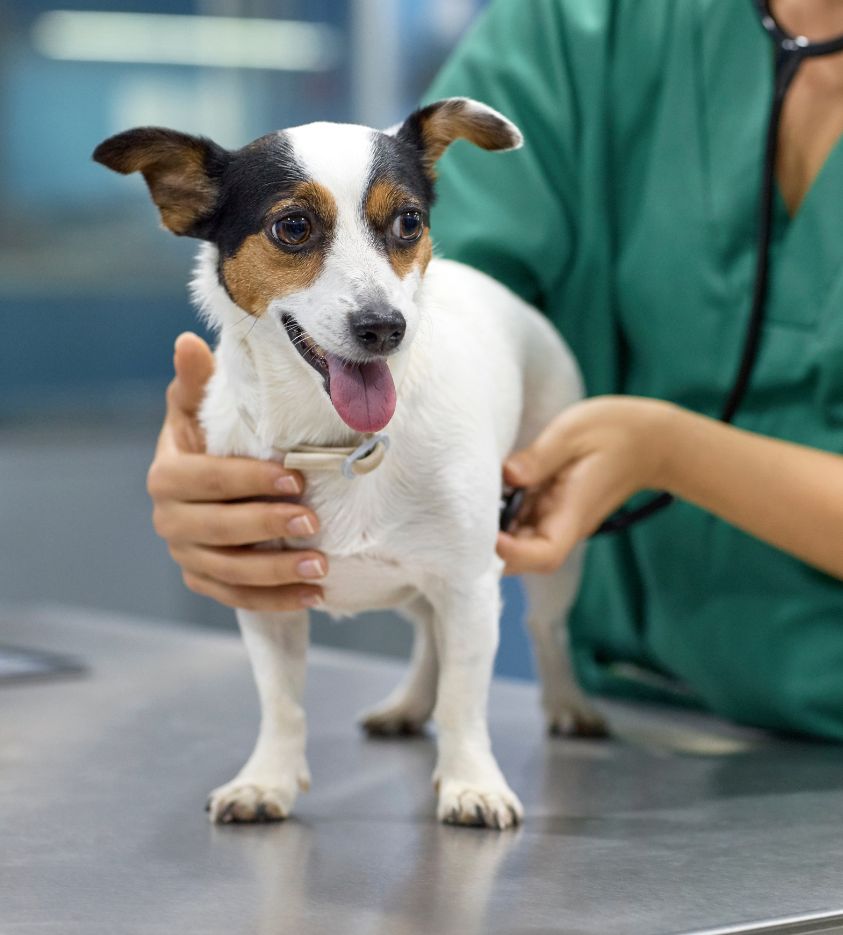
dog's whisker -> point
(241, 320)
(246, 335)
(304, 341)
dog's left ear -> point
(432, 129)
(181, 171)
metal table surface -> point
(680, 824)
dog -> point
(398, 382)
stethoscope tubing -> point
(790, 52)
(787, 42)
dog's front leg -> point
(472, 789)
(267, 785)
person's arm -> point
(207, 508)
(598, 453)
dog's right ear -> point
(432, 129)
(182, 173)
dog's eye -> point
(408, 226)
(293, 230)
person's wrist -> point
(661, 429)
(654, 425)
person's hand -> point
(211, 510)
(583, 466)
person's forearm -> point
(788, 495)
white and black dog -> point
(318, 238)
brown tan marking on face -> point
(404, 259)
(261, 270)
(320, 201)
(383, 202)
(425, 252)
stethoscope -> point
(790, 53)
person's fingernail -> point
(311, 600)
(301, 526)
(311, 568)
(287, 484)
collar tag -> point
(363, 451)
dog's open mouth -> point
(363, 394)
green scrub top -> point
(629, 218)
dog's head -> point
(321, 229)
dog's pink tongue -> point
(362, 394)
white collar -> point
(351, 462)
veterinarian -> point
(630, 217)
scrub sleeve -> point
(629, 218)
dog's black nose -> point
(378, 330)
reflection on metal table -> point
(680, 824)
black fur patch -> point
(398, 160)
(410, 138)
(254, 178)
(203, 190)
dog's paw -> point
(404, 718)
(462, 803)
(567, 719)
(241, 801)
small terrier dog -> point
(317, 238)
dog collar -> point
(349, 461)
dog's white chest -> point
(357, 583)
(370, 564)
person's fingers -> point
(539, 553)
(547, 533)
(565, 513)
(232, 524)
(252, 568)
(268, 600)
(539, 461)
(194, 366)
(199, 477)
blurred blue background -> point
(93, 292)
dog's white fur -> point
(479, 373)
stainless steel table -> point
(680, 824)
